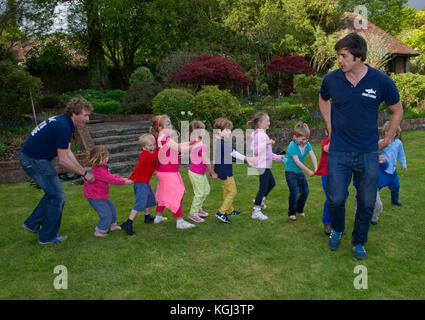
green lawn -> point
(247, 259)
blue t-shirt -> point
(50, 135)
(223, 159)
(354, 112)
(294, 150)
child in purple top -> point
(262, 148)
(199, 164)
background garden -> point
(209, 57)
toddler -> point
(97, 192)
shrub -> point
(307, 89)
(15, 88)
(141, 74)
(117, 95)
(285, 68)
(138, 99)
(51, 101)
(285, 112)
(212, 70)
(411, 87)
(106, 107)
(211, 103)
(173, 102)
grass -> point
(247, 259)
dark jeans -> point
(365, 169)
(298, 192)
(267, 183)
(48, 213)
(326, 218)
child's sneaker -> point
(128, 228)
(149, 218)
(222, 217)
(58, 239)
(359, 252)
(235, 213)
(396, 203)
(293, 217)
(334, 240)
(257, 214)
(202, 213)
(302, 214)
(195, 218)
(159, 219)
(184, 225)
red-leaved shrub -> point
(290, 64)
(212, 70)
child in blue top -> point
(294, 167)
(389, 177)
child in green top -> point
(294, 167)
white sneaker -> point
(258, 215)
(159, 219)
(184, 225)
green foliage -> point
(6, 54)
(15, 88)
(393, 16)
(141, 74)
(139, 98)
(173, 102)
(211, 103)
(105, 102)
(50, 101)
(21, 126)
(307, 89)
(411, 88)
(285, 112)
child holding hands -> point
(199, 165)
(170, 189)
(262, 148)
(294, 167)
(97, 193)
(141, 175)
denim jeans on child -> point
(326, 218)
(297, 184)
(107, 214)
(48, 213)
(365, 169)
(267, 183)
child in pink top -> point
(262, 148)
(170, 188)
(199, 164)
(97, 193)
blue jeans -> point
(47, 216)
(365, 169)
(107, 214)
(267, 183)
(298, 192)
(326, 218)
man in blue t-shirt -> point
(49, 139)
(356, 90)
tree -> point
(393, 16)
(212, 70)
(415, 38)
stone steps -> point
(122, 141)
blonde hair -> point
(302, 129)
(98, 156)
(223, 123)
(257, 117)
(197, 125)
(144, 139)
(397, 131)
(156, 123)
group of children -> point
(160, 154)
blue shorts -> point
(145, 198)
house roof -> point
(395, 46)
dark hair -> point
(223, 123)
(355, 44)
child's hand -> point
(310, 173)
(251, 160)
(271, 141)
(214, 175)
(382, 159)
(129, 181)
